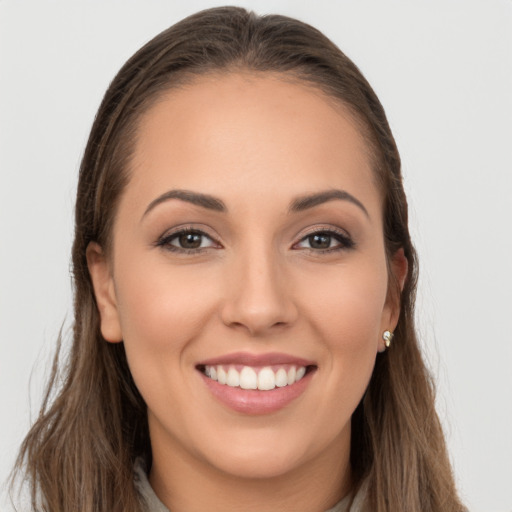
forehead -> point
(253, 132)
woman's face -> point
(248, 249)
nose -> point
(259, 295)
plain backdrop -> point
(442, 69)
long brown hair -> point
(79, 455)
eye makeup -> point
(187, 240)
(325, 240)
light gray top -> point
(153, 504)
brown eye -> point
(190, 240)
(325, 241)
(187, 240)
(319, 241)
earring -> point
(387, 336)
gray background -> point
(443, 71)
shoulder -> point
(149, 500)
(353, 503)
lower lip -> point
(254, 401)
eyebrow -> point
(203, 200)
(311, 200)
(297, 205)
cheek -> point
(161, 310)
(344, 312)
(350, 299)
(346, 307)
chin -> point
(272, 452)
(263, 465)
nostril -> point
(257, 311)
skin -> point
(258, 285)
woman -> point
(244, 291)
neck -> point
(185, 483)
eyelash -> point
(343, 239)
(344, 242)
(165, 241)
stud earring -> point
(387, 336)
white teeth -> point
(300, 373)
(291, 375)
(281, 378)
(266, 379)
(248, 378)
(233, 378)
(263, 379)
(221, 375)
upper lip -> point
(248, 359)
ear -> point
(398, 269)
(103, 283)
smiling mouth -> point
(263, 378)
